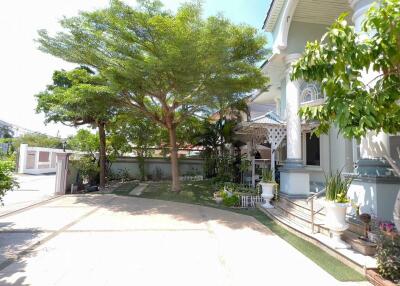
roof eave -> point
(268, 13)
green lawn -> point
(125, 188)
(201, 193)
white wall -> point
(37, 160)
(156, 166)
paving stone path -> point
(114, 240)
(137, 191)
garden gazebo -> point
(266, 128)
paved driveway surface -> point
(32, 189)
(109, 240)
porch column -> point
(374, 187)
(293, 124)
(374, 146)
(295, 181)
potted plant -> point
(268, 187)
(218, 196)
(336, 204)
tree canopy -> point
(79, 97)
(166, 66)
(37, 140)
(340, 62)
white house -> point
(304, 158)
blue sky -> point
(252, 12)
(25, 71)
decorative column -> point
(374, 186)
(295, 181)
(293, 123)
(374, 146)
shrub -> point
(7, 181)
(120, 175)
(88, 169)
(230, 201)
(388, 257)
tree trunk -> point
(102, 154)
(174, 160)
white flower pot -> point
(335, 220)
(267, 193)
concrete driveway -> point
(32, 189)
(111, 240)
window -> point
(310, 92)
(312, 150)
(394, 141)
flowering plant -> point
(386, 226)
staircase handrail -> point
(311, 198)
(316, 194)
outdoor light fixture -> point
(64, 144)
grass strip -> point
(330, 264)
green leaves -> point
(340, 62)
(162, 62)
(77, 97)
(337, 188)
(7, 181)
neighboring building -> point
(12, 129)
(302, 157)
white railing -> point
(313, 213)
(250, 201)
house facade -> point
(303, 158)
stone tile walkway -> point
(139, 189)
(111, 240)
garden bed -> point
(376, 279)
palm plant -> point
(267, 176)
(337, 188)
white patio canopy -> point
(266, 128)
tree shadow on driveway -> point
(15, 244)
(164, 213)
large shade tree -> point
(80, 97)
(167, 66)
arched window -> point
(310, 92)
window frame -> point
(304, 150)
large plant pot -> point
(267, 193)
(335, 220)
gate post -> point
(61, 173)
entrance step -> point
(350, 257)
(297, 214)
